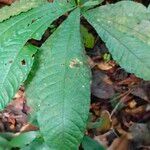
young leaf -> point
(88, 38)
(18, 7)
(14, 33)
(61, 87)
(121, 26)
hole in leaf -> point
(10, 61)
(33, 55)
(23, 62)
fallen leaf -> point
(141, 133)
(142, 91)
(121, 143)
(100, 88)
(106, 65)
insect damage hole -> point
(33, 55)
(23, 62)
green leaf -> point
(7, 135)
(14, 33)
(37, 144)
(23, 139)
(72, 2)
(18, 7)
(61, 87)
(88, 38)
(90, 144)
(20, 66)
(4, 144)
(92, 3)
(125, 28)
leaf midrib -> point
(64, 83)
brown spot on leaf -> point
(75, 63)
(10, 61)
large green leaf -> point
(124, 28)
(14, 33)
(61, 87)
(18, 7)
